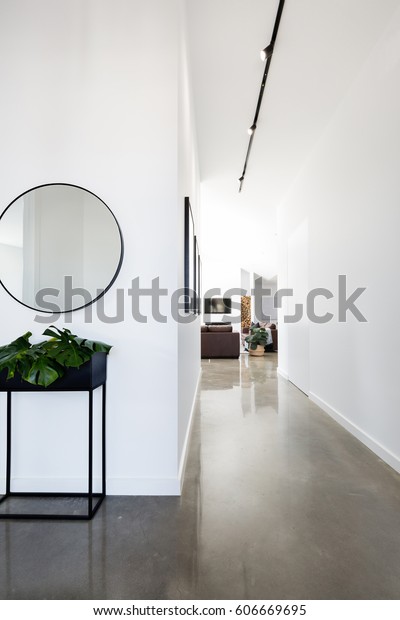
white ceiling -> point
(321, 47)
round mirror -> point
(60, 248)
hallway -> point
(279, 502)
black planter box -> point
(89, 376)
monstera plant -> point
(45, 362)
(257, 339)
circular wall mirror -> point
(61, 248)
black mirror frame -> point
(107, 288)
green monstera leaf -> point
(69, 350)
(43, 371)
(64, 348)
(12, 356)
(45, 362)
(94, 345)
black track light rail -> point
(262, 87)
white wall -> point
(245, 281)
(11, 254)
(298, 331)
(11, 250)
(89, 99)
(350, 190)
(268, 305)
(224, 275)
(188, 333)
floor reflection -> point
(52, 560)
(286, 506)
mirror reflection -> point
(55, 238)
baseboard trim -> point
(115, 486)
(52, 485)
(282, 373)
(383, 453)
(143, 486)
(185, 449)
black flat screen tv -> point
(217, 305)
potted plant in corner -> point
(257, 339)
(65, 360)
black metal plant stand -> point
(89, 377)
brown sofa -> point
(219, 341)
(274, 334)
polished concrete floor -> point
(279, 502)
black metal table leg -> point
(103, 440)
(94, 499)
(8, 464)
(90, 468)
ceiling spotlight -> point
(266, 55)
(267, 52)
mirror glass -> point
(60, 248)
